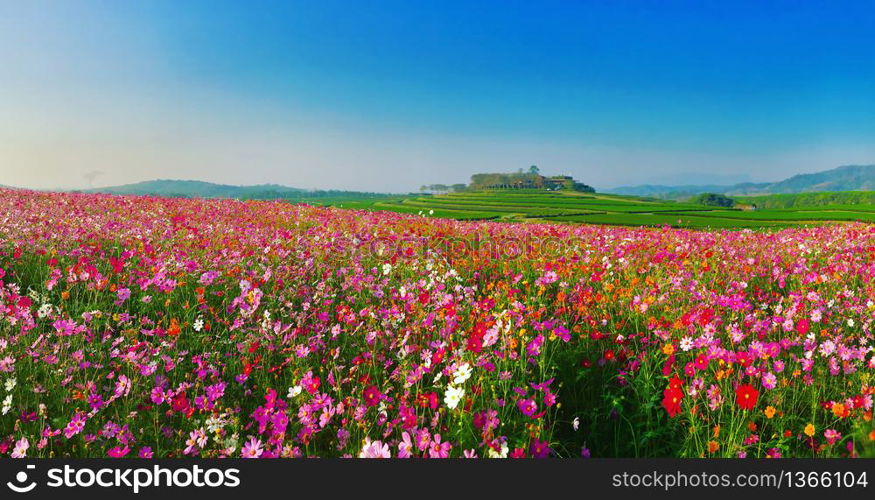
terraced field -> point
(564, 207)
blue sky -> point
(389, 95)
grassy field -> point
(566, 207)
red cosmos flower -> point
(746, 396)
(429, 400)
(438, 356)
(311, 384)
(118, 265)
(179, 403)
(671, 401)
(475, 341)
(803, 326)
(372, 396)
(408, 417)
(667, 366)
(705, 316)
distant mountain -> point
(200, 189)
(696, 179)
(845, 178)
(195, 189)
(682, 191)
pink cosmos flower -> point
(539, 449)
(20, 448)
(527, 406)
(75, 426)
(375, 449)
(405, 447)
(252, 449)
(118, 451)
(437, 449)
(207, 278)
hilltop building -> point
(527, 180)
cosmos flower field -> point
(150, 327)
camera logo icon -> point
(20, 479)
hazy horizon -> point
(680, 179)
(393, 95)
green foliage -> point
(532, 205)
(443, 188)
(527, 180)
(822, 199)
(714, 200)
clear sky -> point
(389, 95)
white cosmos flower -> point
(462, 374)
(499, 454)
(215, 424)
(44, 310)
(453, 396)
(686, 344)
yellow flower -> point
(838, 409)
(809, 430)
(668, 349)
(769, 411)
